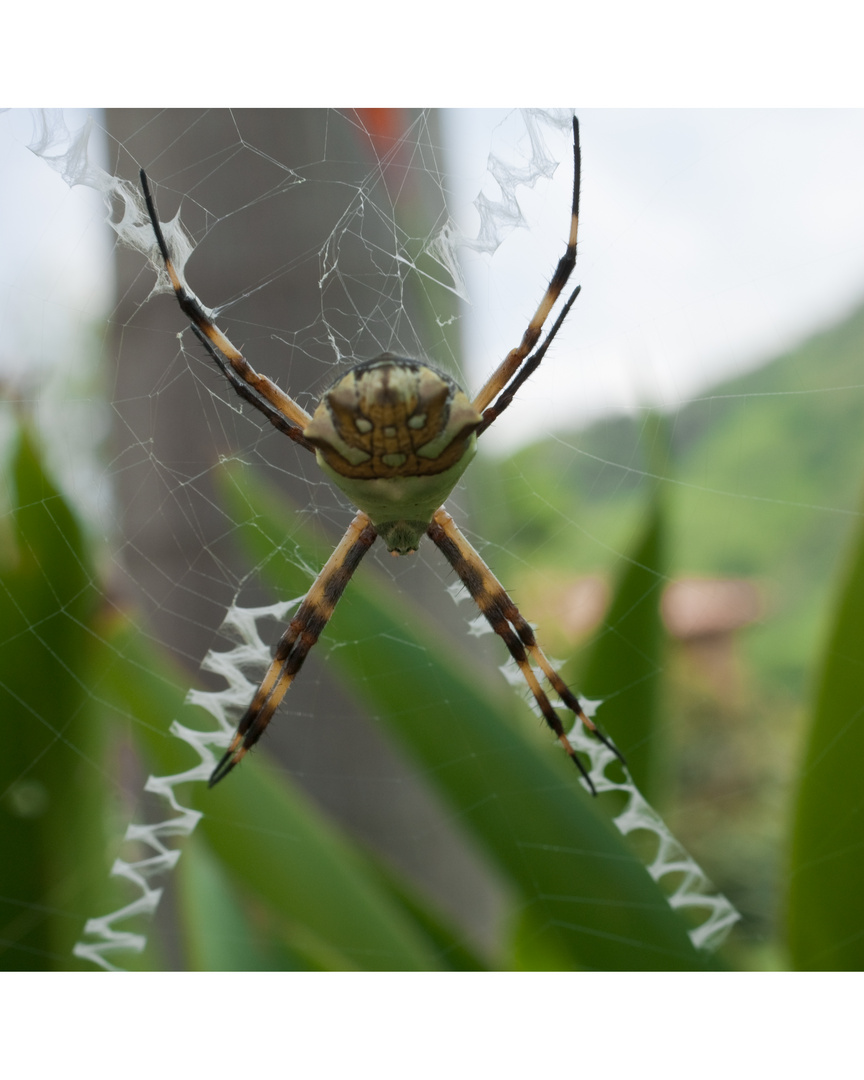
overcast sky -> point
(709, 240)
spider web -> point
(370, 259)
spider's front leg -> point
(281, 410)
(294, 645)
(507, 378)
(508, 623)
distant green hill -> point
(763, 482)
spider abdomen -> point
(395, 435)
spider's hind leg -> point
(294, 645)
(508, 623)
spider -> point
(395, 435)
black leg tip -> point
(222, 769)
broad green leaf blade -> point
(288, 854)
(218, 934)
(625, 664)
(592, 900)
(826, 889)
(52, 810)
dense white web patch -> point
(67, 152)
(500, 211)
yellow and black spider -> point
(395, 435)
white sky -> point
(709, 240)
(55, 256)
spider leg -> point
(531, 364)
(508, 623)
(510, 365)
(281, 410)
(294, 645)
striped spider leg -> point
(508, 623)
(302, 633)
(395, 435)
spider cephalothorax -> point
(395, 435)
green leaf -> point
(216, 930)
(52, 799)
(826, 889)
(625, 664)
(218, 933)
(592, 902)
